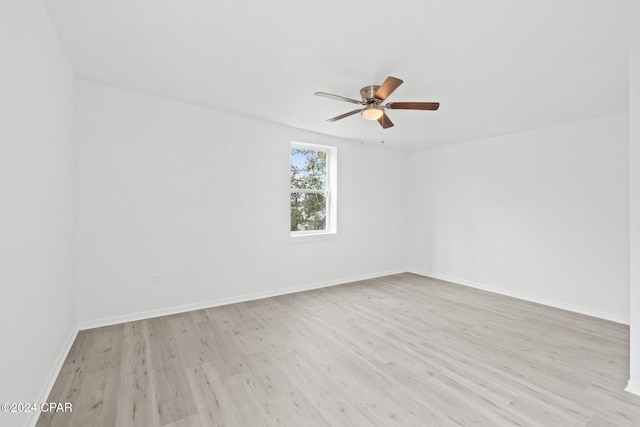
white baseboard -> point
(527, 297)
(114, 320)
(633, 387)
(51, 379)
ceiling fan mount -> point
(368, 94)
(372, 98)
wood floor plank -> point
(137, 397)
(69, 381)
(216, 407)
(398, 350)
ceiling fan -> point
(372, 98)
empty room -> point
(412, 213)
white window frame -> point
(331, 231)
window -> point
(313, 190)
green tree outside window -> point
(308, 190)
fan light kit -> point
(372, 112)
(372, 98)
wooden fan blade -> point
(342, 116)
(413, 105)
(338, 97)
(385, 122)
(389, 85)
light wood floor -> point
(401, 350)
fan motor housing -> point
(368, 94)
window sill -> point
(299, 238)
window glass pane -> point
(308, 211)
(308, 169)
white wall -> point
(37, 307)
(201, 198)
(545, 214)
(634, 164)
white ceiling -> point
(496, 66)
